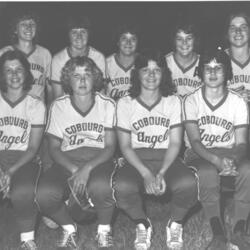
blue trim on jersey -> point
(176, 125)
(184, 70)
(53, 136)
(125, 69)
(143, 104)
(15, 103)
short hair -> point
(126, 28)
(220, 56)
(77, 22)
(21, 16)
(81, 61)
(188, 28)
(16, 55)
(166, 86)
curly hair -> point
(188, 28)
(220, 56)
(80, 61)
(21, 16)
(166, 86)
(15, 55)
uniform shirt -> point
(63, 56)
(149, 126)
(118, 78)
(17, 119)
(241, 74)
(76, 129)
(217, 123)
(183, 79)
(40, 65)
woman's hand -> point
(149, 182)
(5, 179)
(228, 167)
(80, 179)
(160, 183)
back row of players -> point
(182, 62)
(81, 136)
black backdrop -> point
(155, 19)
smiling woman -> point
(22, 119)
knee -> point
(124, 188)
(47, 196)
(186, 184)
(24, 194)
(208, 177)
(99, 188)
(244, 169)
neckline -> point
(78, 110)
(70, 55)
(241, 65)
(149, 108)
(216, 106)
(15, 103)
(27, 55)
(125, 69)
(184, 70)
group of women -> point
(139, 103)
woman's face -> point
(78, 38)
(26, 30)
(184, 43)
(82, 81)
(238, 32)
(127, 44)
(150, 76)
(14, 74)
(214, 74)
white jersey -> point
(183, 79)
(149, 126)
(63, 56)
(17, 119)
(77, 129)
(241, 74)
(217, 123)
(118, 78)
(40, 65)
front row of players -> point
(82, 127)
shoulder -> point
(35, 101)
(110, 58)
(5, 49)
(95, 53)
(60, 55)
(193, 96)
(61, 102)
(104, 99)
(42, 50)
(169, 55)
(125, 100)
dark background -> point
(154, 19)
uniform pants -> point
(129, 185)
(53, 191)
(210, 184)
(22, 189)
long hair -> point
(16, 55)
(228, 22)
(166, 86)
(70, 67)
(220, 56)
(21, 16)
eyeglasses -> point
(219, 69)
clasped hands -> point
(227, 167)
(155, 185)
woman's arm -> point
(195, 140)
(35, 139)
(134, 160)
(175, 140)
(82, 175)
(58, 156)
